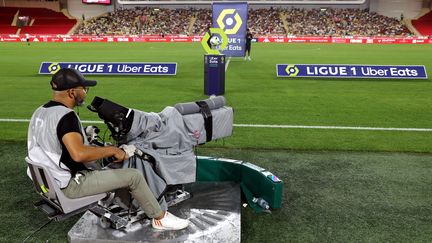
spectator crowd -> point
(139, 21)
(203, 20)
(266, 22)
(342, 22)
(262, 22)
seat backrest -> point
(48, 188)
(43, 182)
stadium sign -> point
(180, 38)
(213, 48)
(350, 71)
(112, 68)
(232, 18)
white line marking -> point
(227, 63)
(401, 129)
(28, 120)
(337, 127)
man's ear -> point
(71, 93)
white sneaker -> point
(249, 58)
(170, 222)
(245, 58)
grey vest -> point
(42, 142)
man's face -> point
(80, 93)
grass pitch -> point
(334, 190)
(252, 88)
(327, 197)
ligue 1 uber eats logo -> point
(214, 32)
(53, 68)
(231, 19)
(292, 70)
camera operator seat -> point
(54, 203)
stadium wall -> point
(54, 5)
(394, 8)
(178, 38)
(252, 6)
(78, 9)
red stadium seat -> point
(424, 24)
(45, 21)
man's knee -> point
(135, 176)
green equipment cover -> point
(254, 180)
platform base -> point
(213, 212)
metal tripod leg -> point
(117, 222)
(178, 196)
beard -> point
(79, 101)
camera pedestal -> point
(213, 212)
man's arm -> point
(83, 153)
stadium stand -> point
(43, 21)
(7, 15)
(342, 22)
(424, 24)
(263, 22)
(139, 21)
(337, 22)
(202, 22)
(266, 21)
(46, 21)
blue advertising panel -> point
(112, 68)
(351, 71)
(232, 19)
(214, 74)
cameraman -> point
(56, 139)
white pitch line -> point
(227, 63)
(338, 127)
(401, 129)
(28, 120)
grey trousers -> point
(99, 181)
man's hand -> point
(120, 155)
(129, 149)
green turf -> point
(252, 88)
(343, 197)
(327, 197)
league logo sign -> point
(214, 41)
(351, 71)
(226, 17)
(232, 19)
(111, 68)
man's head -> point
(71, 82)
